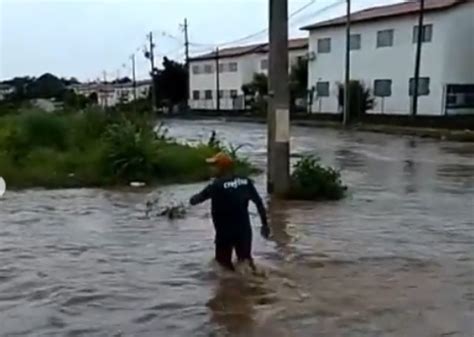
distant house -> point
(5, 90)
(383, 44)
(47, 105)
(236, 67)
(110, 94)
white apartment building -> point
(236, 67)
(5, 90)
(383, 44)
(110, 94)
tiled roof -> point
(249, 49)
(383, 12)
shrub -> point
(40, 129)
(312, 181)
(130, 151)
(88, 127)
(361, 99)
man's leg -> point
(243, 249)
(224, 255)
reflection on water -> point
(394, 259)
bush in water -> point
(312, 181)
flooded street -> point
(394, 259)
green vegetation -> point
(256, 93)
(95, 148)
(312, 181)
(361, 99)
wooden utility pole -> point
(278, 170)
(134, 78)
(152, 73)
(347, 81)
(419, 43)
(218, 99)
(186, 51)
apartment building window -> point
(322, 89)
(383, 88)
(233, 67)
(355, 42)
(208, 69)
(222, 93)
(208, 94)
(385, 38)
(233, 93)
(427, 34)
(196, 69)
(195, 95)
(324, 45)
(264, 64)
(423, 86)
(460, 96)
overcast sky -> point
(84, 38)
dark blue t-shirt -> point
(230, 198)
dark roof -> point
(293, 44)
(382, 12)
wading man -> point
(230, 195)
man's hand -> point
(265, 232)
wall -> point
(395, 63)
(458, 66)
(247, 66)
(227, 81)
(292, 59)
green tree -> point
(256, 93)
(171, 82)
(46, 86)
(361, 99)
(298, 82)
(299, 78)
(258, 85)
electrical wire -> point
(258, 33)
(293, 19)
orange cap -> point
(221, 160)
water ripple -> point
(393, 259)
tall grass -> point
(94, 149)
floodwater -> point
(394, 259)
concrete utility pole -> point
(278, 170)
(347, 82)
(106, 93)
(419, 43)
(152, 73)
(186, 50)
(218, 87)
(134, 78)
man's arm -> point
(257, 200)
(202, 196)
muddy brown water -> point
(394, 259)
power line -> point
(256, 34)
(318, 12)
(292, 16)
